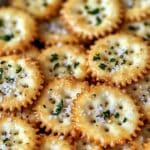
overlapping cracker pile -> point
(75, 75)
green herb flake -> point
(106, 114)
(133, 28)
(125, 120)
(6, 37)
(93, 95)
(56, 66)
(96, 57)
(9, 65)
(148, 36)
(1, 22)
(112, 60)
(147, 23)
(5, 140)
(86, 7)
(76, 64)
(123, 62)
(93, 11)
(98, 21)
(9, 79)
(45, 4)
(126, 52)
(54, 57)
(1, 73)
(111, 47)
(19, 69)
(68, 68)
(116, 115)
(102, 66)
(59, 107)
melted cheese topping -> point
(54, 32)
(55, 143)
(64, 61)
(139, 28)
(15, 27)
(91, 15)
(39, 9)
(16, 133)
(54, 105)
(18, 83)
(136, 8)
(141, 91)
(103, 114)
(141, 4)
(118, 58)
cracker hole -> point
(93, 121)
(79, 12)
(120, 107)
(84, 143)
(119, 123)
(130, 63)
(20, 142)
(67, 115)
(55, 133)
(91, 107)
(148, 129)
(134, 88)
(106, 103)
(106, 129)
(146, 80)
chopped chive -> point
(59, 107)
(76, 64)
(5, 140)
(54, 57)
(56, 66)
(98, 21)
(45, 4)
(133, 28)
(1, 22)
(9, 65)
(94, 95)
(126, 52)
(106, 114)
(1, 73)
(96, 57)
(123, 62)
(93, 11)
(116, 115)
(112, 60)
(69, 68)
(9, 79)
(146, 23)
(86, 7)
(148, 35)
(102, 66)
(6, 37)
(19, 68)
(111, 47)
(124, 120)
